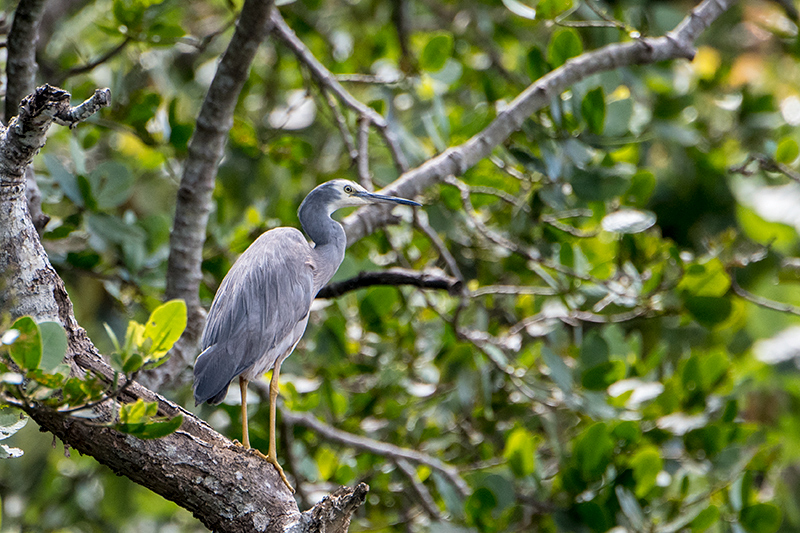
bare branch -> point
(421, 221)
(72, 116)
(766, 164)
(21, 45)
(91, 65)
(393, 276)
(422, 493)
(369, 445)
(761, 301)
(364, 176)
(197, 183)
(457, 160)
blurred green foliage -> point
(613, 363)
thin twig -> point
(325, 78)
(420, 220)
(422, 492)
(761, 301)
(370, 445)
(341, 124)
(75, 71)
(393, 276)
(767, 164)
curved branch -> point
(457, 160)
(393, 276)
(193, 203)
(370, 445)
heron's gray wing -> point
(261, 300)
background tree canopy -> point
(620, 343)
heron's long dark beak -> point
(384, 198)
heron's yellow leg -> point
(272, 456)
(245, 431)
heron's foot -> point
(237, 443)
(277, 466)
(274, 462)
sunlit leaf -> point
(628, 221)
(436, 52)
(520, 9)
(787, 150)
(165, 326)
(519, 452)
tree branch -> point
(369, 445)
(21, 45)
(393, 276)
(457, 160)
(197, 183)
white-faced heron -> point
(261, 308)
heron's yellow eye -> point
(348, 189)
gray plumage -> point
(261, 308)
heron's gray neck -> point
(329, 239)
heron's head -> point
(339, 193)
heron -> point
(260, 310)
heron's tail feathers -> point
(211, 376)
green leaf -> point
(26, 350)
(593, 109)
(559, 371)
(478, 508)
(781, 237)
(51, 381)
(787, 151)
(436, 52)
(548, 9)
(132, 363)
(11, 422)
(761, 518)
(165, 326)
(643, 183)
(66, 180)
(601, 376)
(708, 310)
(152, 430)
(537, 66)
(519, 452)
(594, 349)
(646, 465)
(54, 345)
(707, 518)
(706, 279)
(111, 184)
(564, 44)
(133, 413)
(327, 462)
(593, 451)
